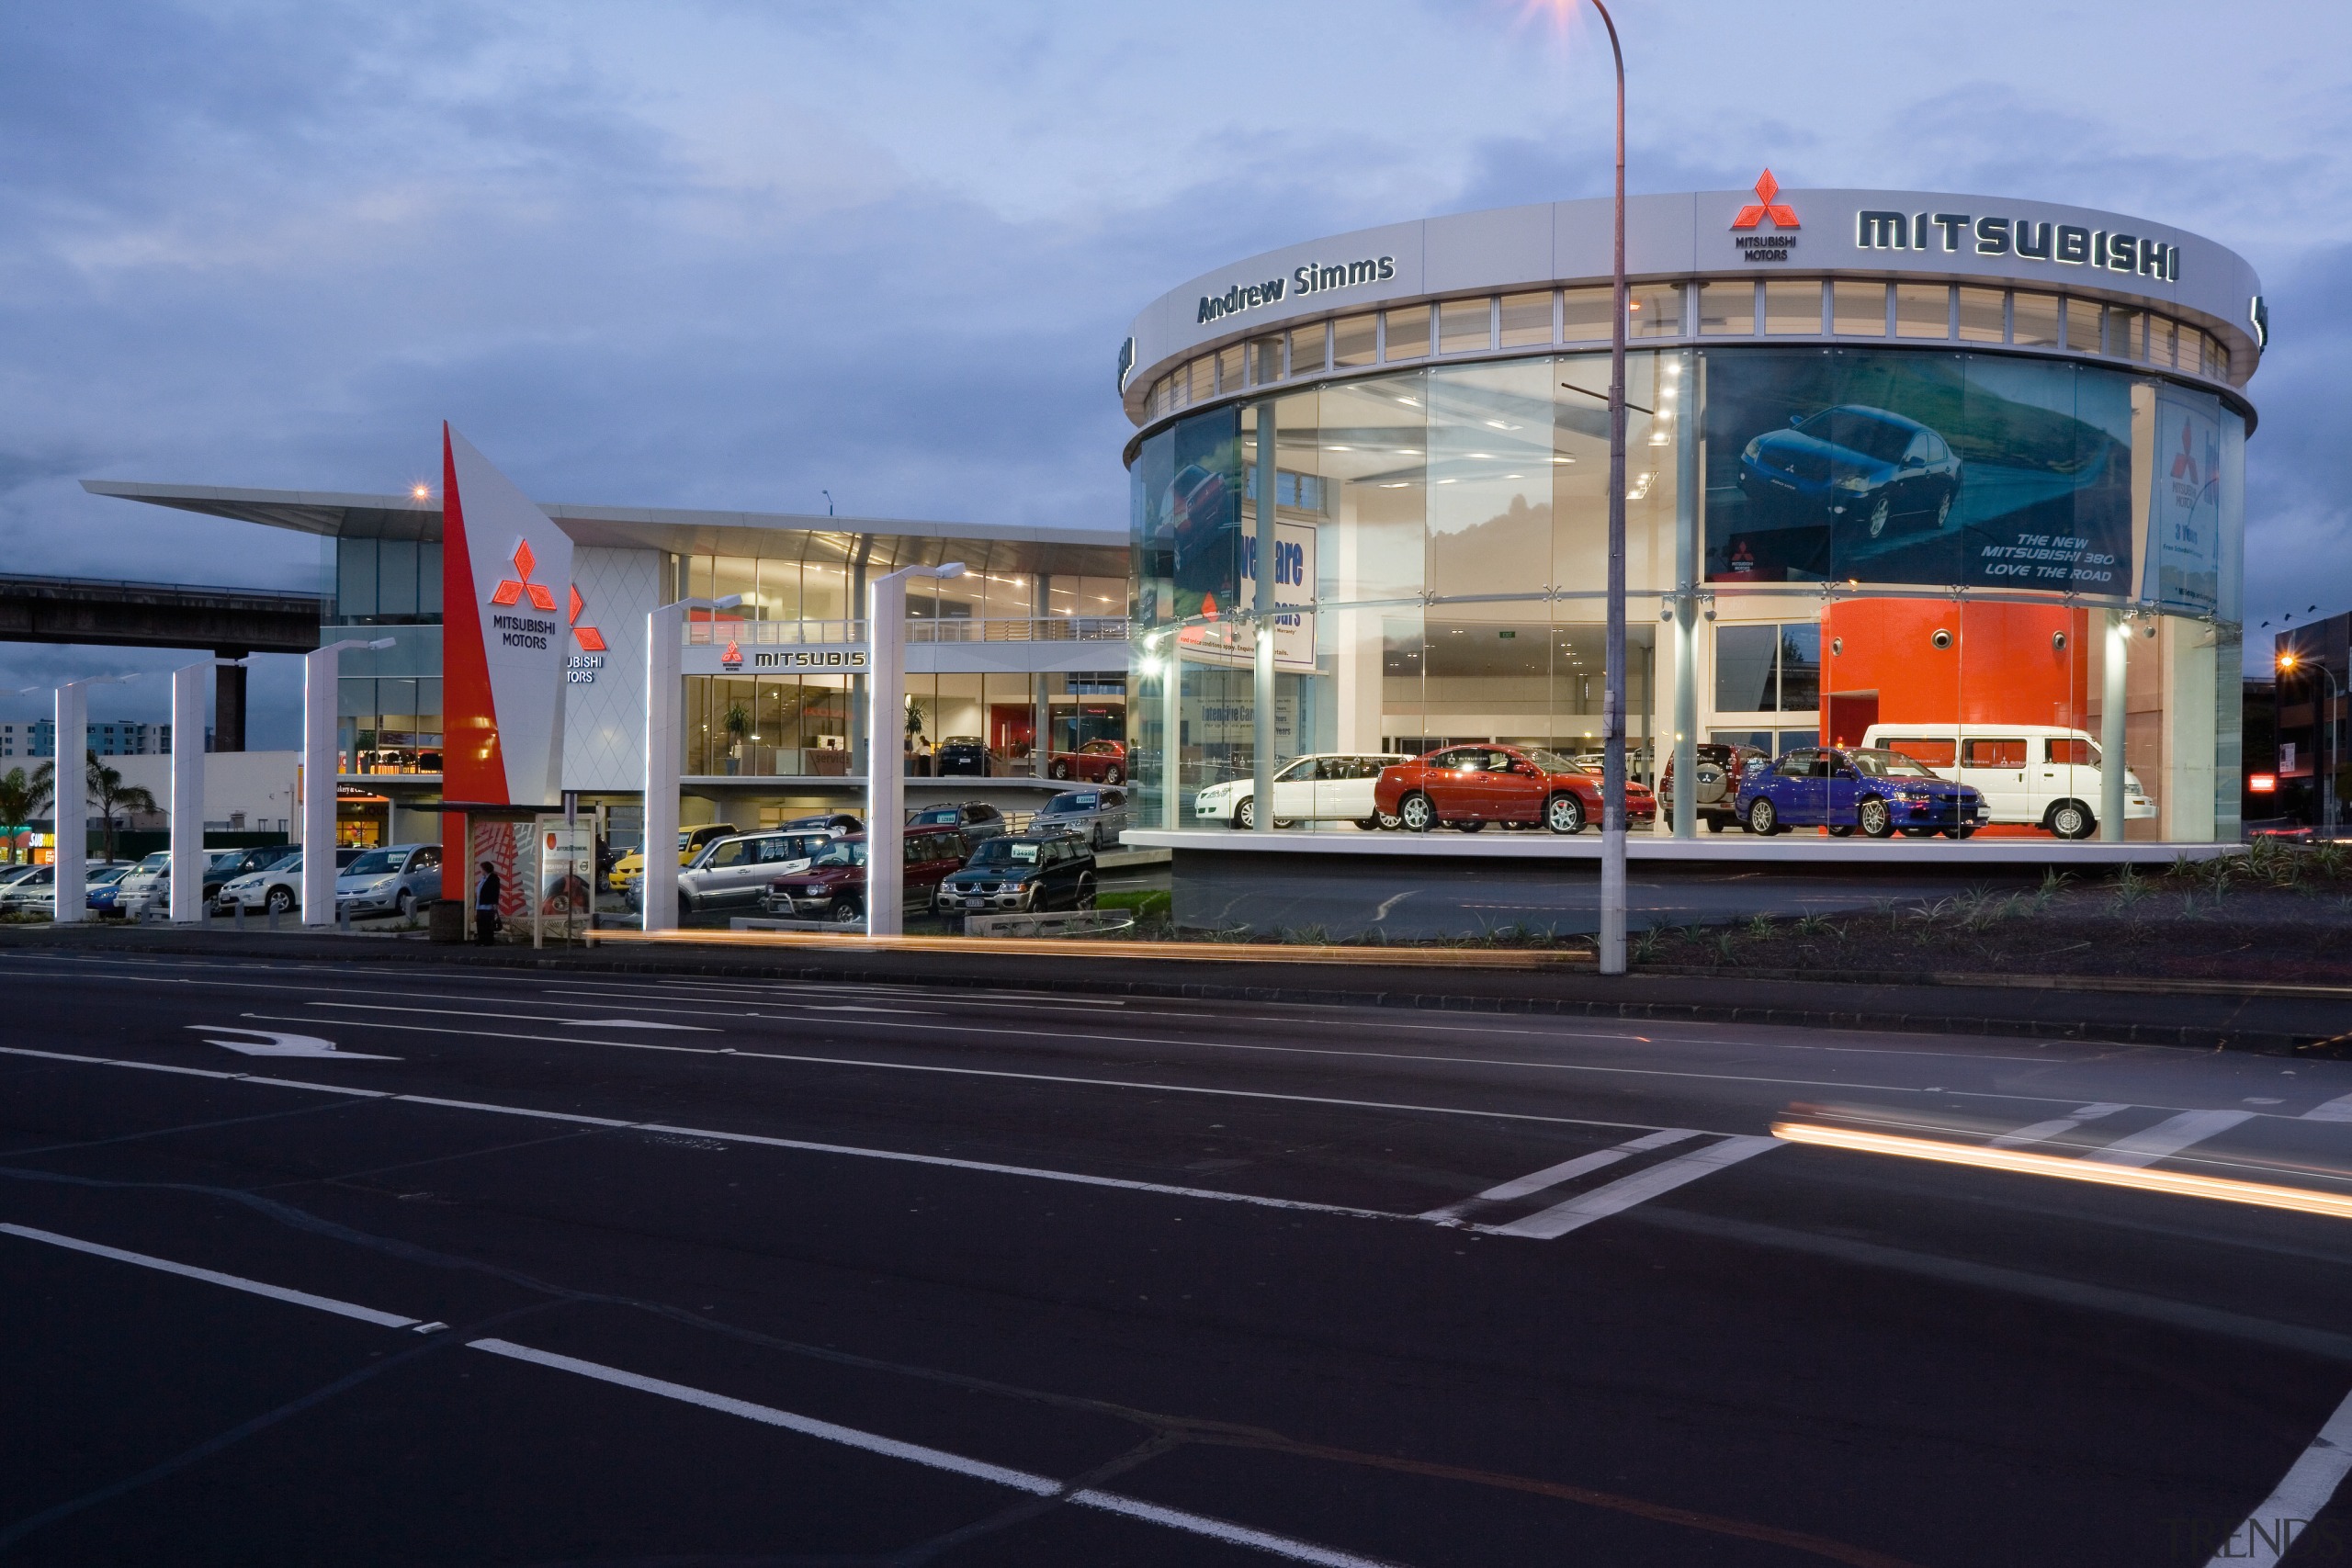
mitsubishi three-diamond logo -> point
(591, 640)
(1766, 204)
(511, 590)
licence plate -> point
(975, 903)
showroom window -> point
(1228, 369)
(2035, 324)
(1981, 316)
(1923, 310)
(1308, 349)
(1466, 326)
(2083, 326)
(1352, 341)
(1526, 319)
(1793, 305)
(1408, 334)
(1773, 667)
(1858, 309)
(1727, 309)
(1201, 381)
(1654, 309)
(1584, 314)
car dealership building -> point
(1895, 459)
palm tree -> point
(20, 798)
(110, 796)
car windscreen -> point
(109, 876)
(1007, 851)
(157, 861)
(375, 862)
(1888, 765)
(1074, 800)
(1553, 762)
(840, 852)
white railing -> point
(922, 628)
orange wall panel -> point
(2006, 664)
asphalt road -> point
(538, 1268)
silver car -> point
(735, 872)
(396, 880)
(1098, 816)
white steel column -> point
(2114, 695)
(1171, 728)
(70, 799)
(1687, 499)
(1262, 641)
(188, 683)
(886, 752)
(320, 672)
(665, 636)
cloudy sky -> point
(734, 254)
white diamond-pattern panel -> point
(603, 733)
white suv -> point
(2037, 774)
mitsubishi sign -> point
(506, 638)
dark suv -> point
(1720, 769)
(1022, 875)
(833, 887)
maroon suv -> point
(833, 887)
(1721, 767)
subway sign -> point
(2061, 244)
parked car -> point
(147, 886)
(1098, 816)
(396, 880)
(1469, 786)
(1720, 769)
(11, 874)
(735, 872)
(103, 889)
(1024, 875)
(1097, 761)
(1327, 787)
(277, 885)
(690, 843)
(2038, 775)
(838, 823)
(1879, 793)
(36, 893)
(1851, 467)
(833, 887)
(975, 819)
(966, 754)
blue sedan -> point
(1881, 792)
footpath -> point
(2196, 1014)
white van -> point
(2034, 773)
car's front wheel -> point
(1716, 824)
(1762, 819)
(280, 899)
(1876, 820)
(1057, 771)
(407, 904)
(1245, 816)
(1415, 813)
(1563, 814)
(1881, 511)
(1943, 509)
(1114, 774)
(2072, 819)
(845, 912)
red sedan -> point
(1469, 786)
(1097, 761)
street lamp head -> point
(382, 642)
(2286, 662)
(951, 569)
(729, 603)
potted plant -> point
(738, 723)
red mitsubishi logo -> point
(511, 590)
(1783, 215)
(591, 640)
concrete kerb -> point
(2286, 1024)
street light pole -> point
(1612, 767)
(664, 738)
(886, 746)
(2288, 664)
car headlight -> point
(1752, 448)
(1853, 484)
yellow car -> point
(631, 866)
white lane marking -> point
(235, 1282)
(275, 1043)
(897, 1156)
(934, 1458)
(999, 1073)
(519, 1017)
(1639, 1187)
(2308, 1485)
(1566, 1170)
(2168, 1137)
(2336, 1110)
(2043, 1131)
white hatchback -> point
(2040, 775)
(1333, 787)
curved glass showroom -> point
(1953, 476)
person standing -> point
(486, 895)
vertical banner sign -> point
(503, 564)
(566, 862)
(2184, 504)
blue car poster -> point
(1939, 470)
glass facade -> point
(1873, 540)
